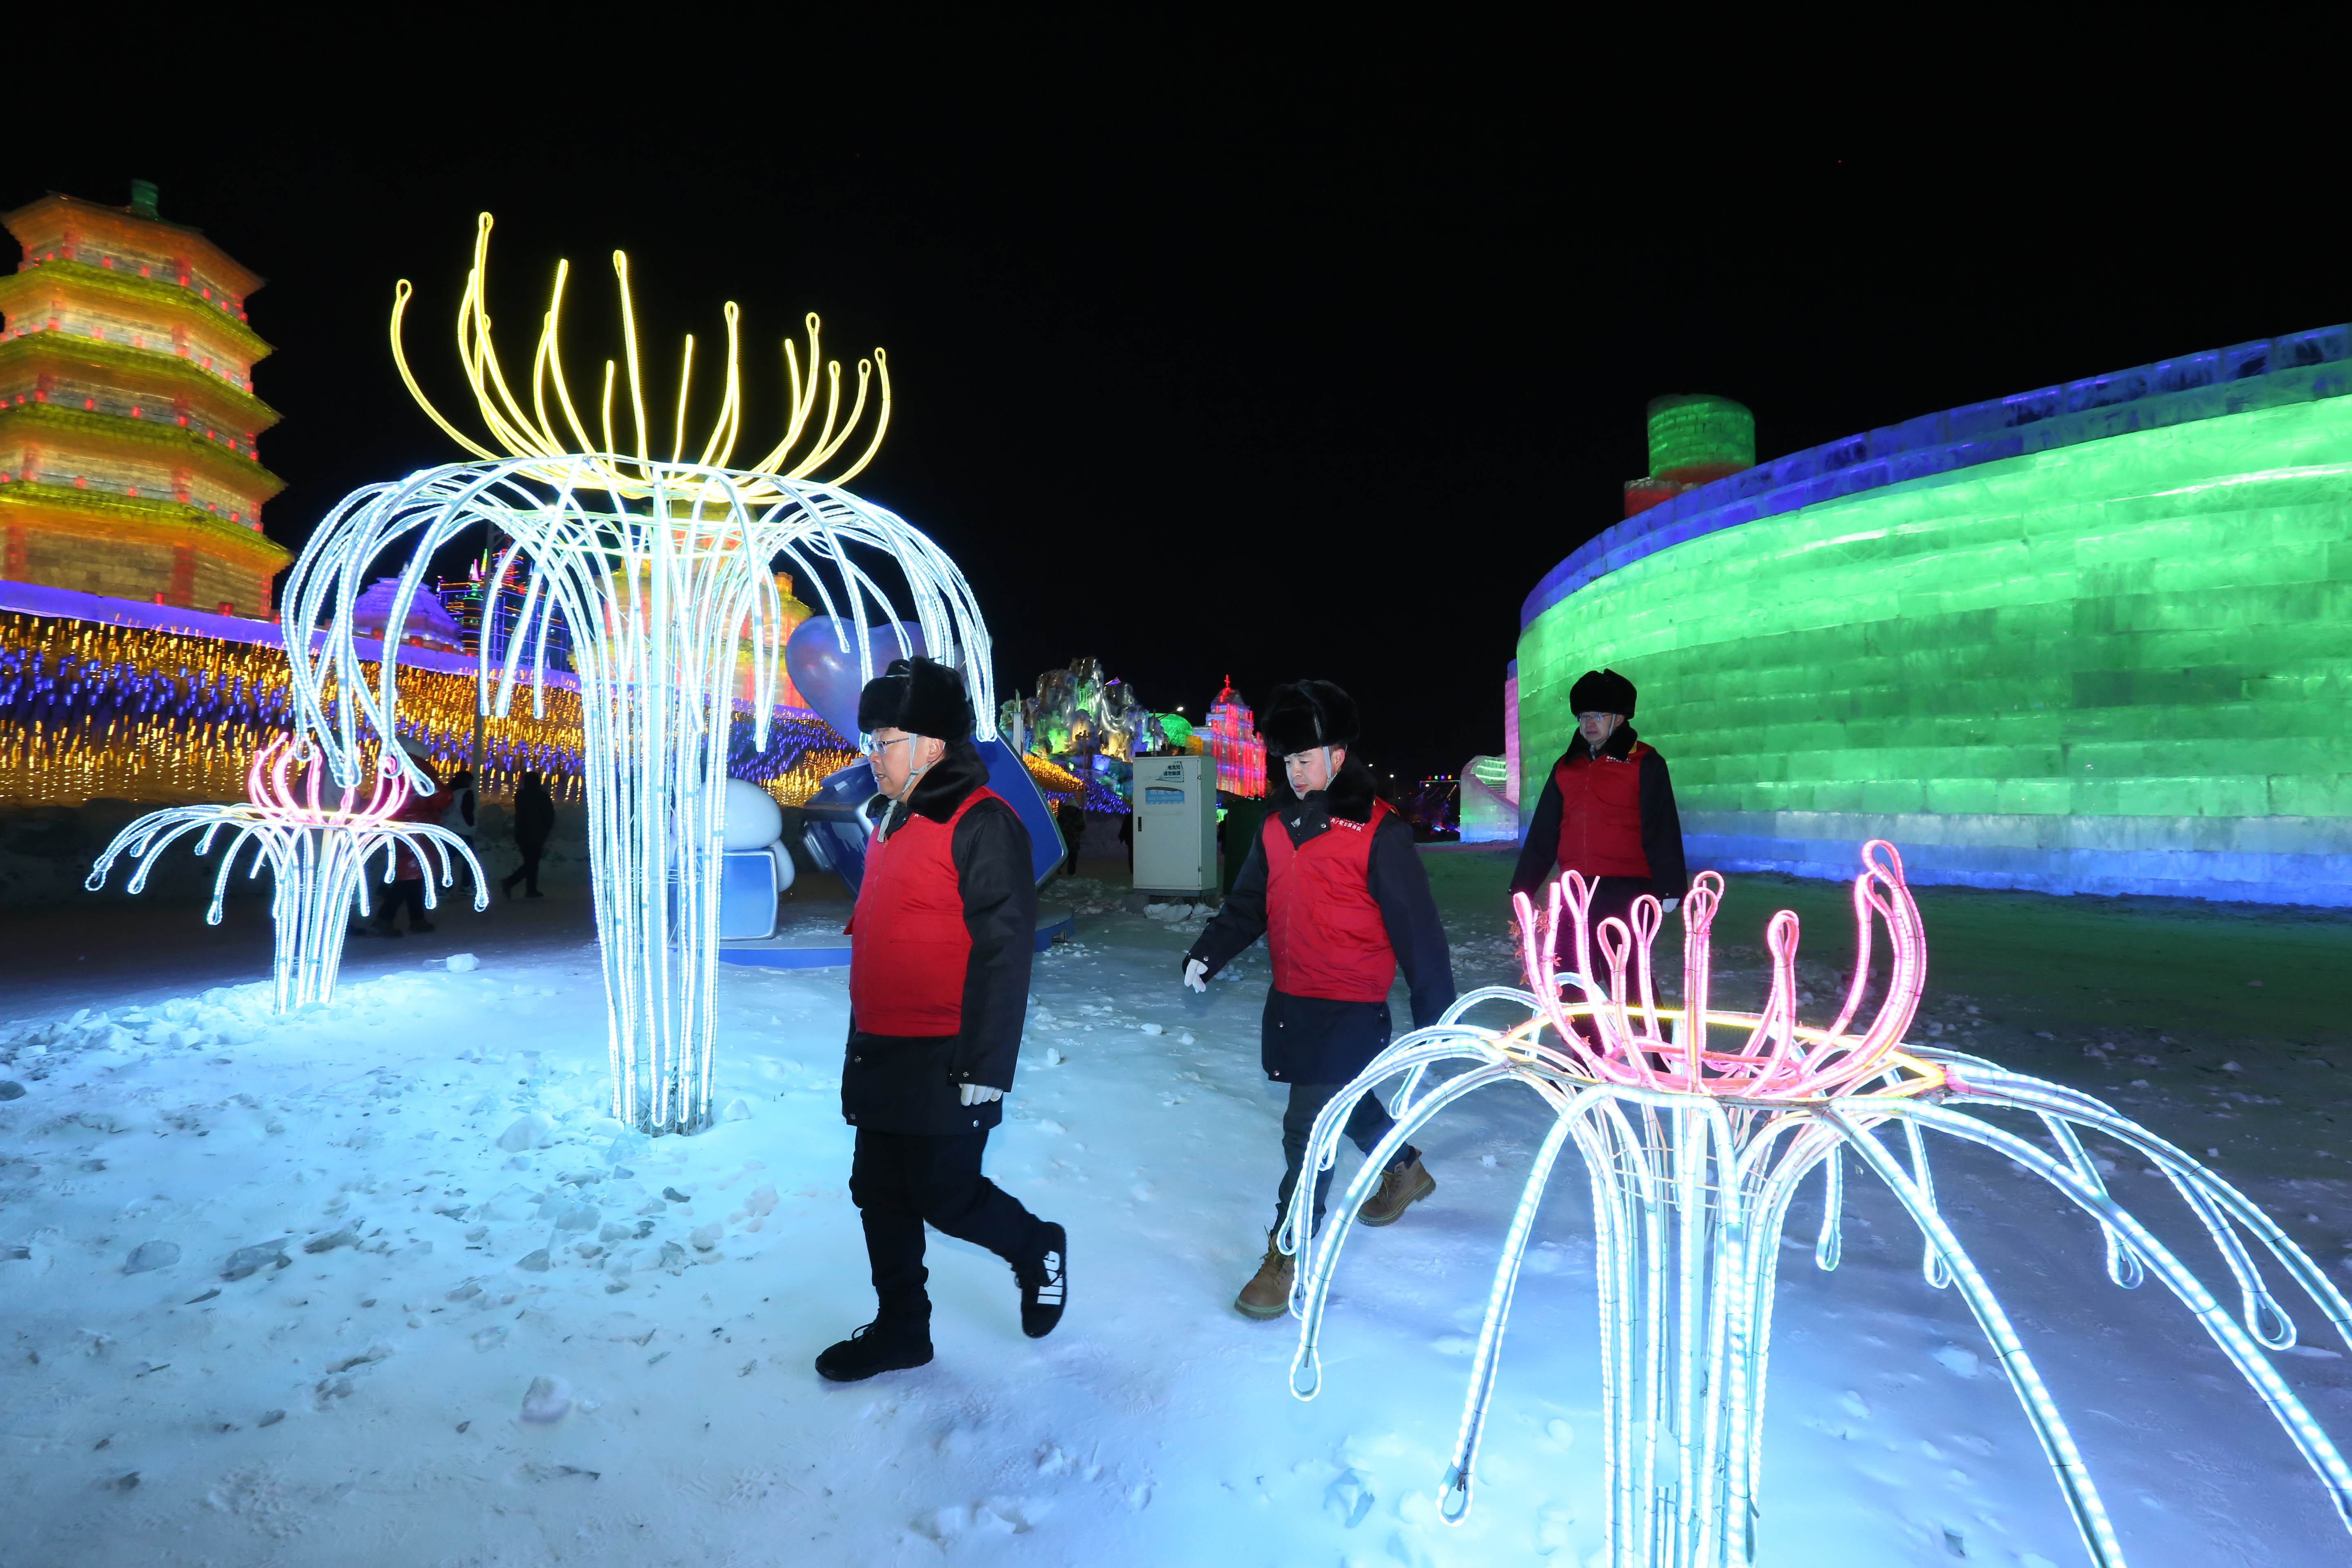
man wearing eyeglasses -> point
(940, 944)
(1335, 886)
(1608, 812)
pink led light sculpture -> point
(1693, 1147)
(318, 854)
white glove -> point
(1668, 907)
(1196, 974)
(980, 1094)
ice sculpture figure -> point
(317, 853)
(658, 567)
(1695, 1140)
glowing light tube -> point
(655, 582)
(317, 855)
(1694, 1152)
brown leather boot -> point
(1268, 1294)
(1400, 1187)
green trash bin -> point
(1243, 820)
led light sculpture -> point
(656, 567)
(1696, 1135)
(318, 855)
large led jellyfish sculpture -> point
(1695, 1126)
(316, 854)
(663, 570)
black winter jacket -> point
(1313, 1039)
(534, 816)
(899, 1083)
(1662, 825)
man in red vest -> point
(940, 942)
(1608, 811)
(1335, 886)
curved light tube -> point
(1694, 1152)
(317, 855)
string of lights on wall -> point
(94, 711)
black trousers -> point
(390, 900)
(902, 1181)
(528, 874)
(1366, 1125)
(1612, 896)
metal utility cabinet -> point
(1175, 802)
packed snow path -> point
(380, 1283)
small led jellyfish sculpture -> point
(318, 855)
(663, 572)
(1695, 1126)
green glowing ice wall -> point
(1698, 433)
(2124, 666)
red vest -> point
(1600, 815)
(909, 946)
(1321, 922)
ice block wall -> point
(2094, 638)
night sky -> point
(1215, 352)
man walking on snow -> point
(1335, 886)
(939, 984)
(1607, 811)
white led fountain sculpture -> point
(1695, 1139)
(317, 855)
(661, 570)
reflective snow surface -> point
(380, 1282)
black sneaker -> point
(1045, 1285)
(872, 1348)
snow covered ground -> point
(380, 1283)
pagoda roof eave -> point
(102, 513)
(243, 279)
(137, 291)
(74, 428)
(240, 409)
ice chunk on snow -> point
(527, 1133)
(247, 1260)
(150, 1254)
(459, 963)
(737, 1111)
(1349, 1498)
(547, 1401)
(1960, 1360)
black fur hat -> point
(1307, 714)
(1601, 691)
(918, 696)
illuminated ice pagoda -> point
(1232, 740)
(127, 462)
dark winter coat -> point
(534, 814)
(1662, 825)
(897, 1083)
(1314, 1039)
